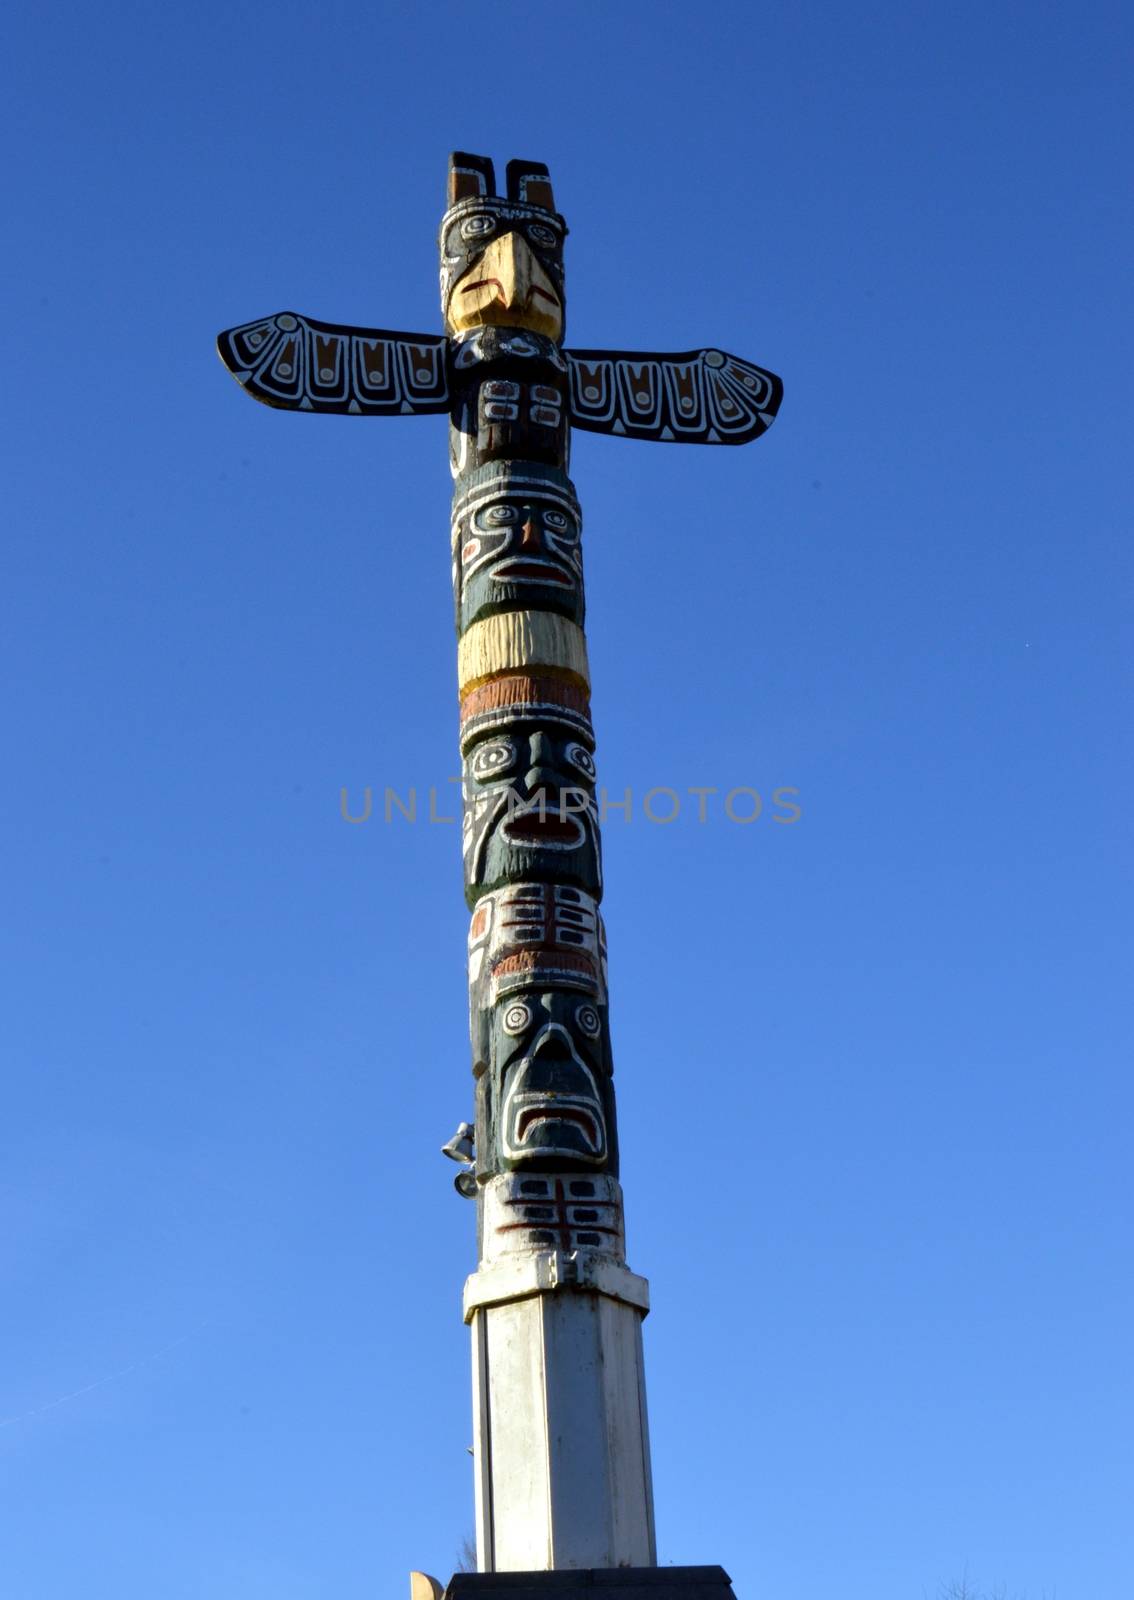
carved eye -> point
(581, 758)
(559, 523)
(478, 226)
(496, 516)
(517, 1017)
(538, 234)
(493, 758)
(588, 1019)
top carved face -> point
(502, 266)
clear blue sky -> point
(874, 1067)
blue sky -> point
(873, 1066)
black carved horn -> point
(530, 183)
(470, 177)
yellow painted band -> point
(515, 640)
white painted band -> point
(552, 1272)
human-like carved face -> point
(546, 1099)
(516, 544)
(529, 811)
(502, 266)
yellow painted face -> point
(506, 287)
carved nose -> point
(513, 269)
(531, 536)
(541, 773)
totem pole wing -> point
(299, 364)
(695, 397)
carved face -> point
(516, 545)
(546, 1101)
(529, 812)
(502, 266)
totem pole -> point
(562, 1466)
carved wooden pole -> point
(561, 1442)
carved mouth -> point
(531, 571)
(548, 831)
(555, 1112)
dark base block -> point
(605, 1583)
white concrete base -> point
(560, 1435)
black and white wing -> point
(696, 397)
(299, 364)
